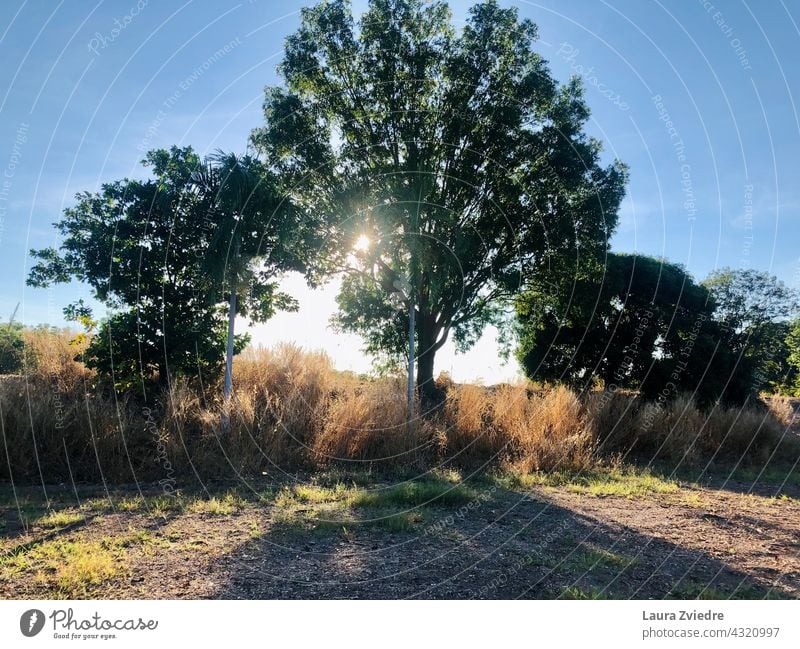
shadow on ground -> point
(512, 545)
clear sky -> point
(85, 87)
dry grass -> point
(554, 434)
(51, 354)
(368, 422)
(678, 430)
(291, 409)
(512, 424)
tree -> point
(755, 308)
(643, 324)
(144, 248)
(456, 155)
(256, 238)
(792, 342)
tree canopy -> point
(645, 324)
(622, 326)
(144, 246)
(756, 308)
(454, 152)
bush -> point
(12, 348)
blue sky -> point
(86, 87)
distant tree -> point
(456, 155)
(791, 382)
(643, 323)
(144, 246)
(612, 326)
(755, 308)
(12, 348)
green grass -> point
(333, 518)
(771, 475)
(577, 592)
(225, 505)
(625, 483)
(57, 519)
(429, 492)
(339, 508)
(694, 590)
(71, 567)
(255, 530)
(588, 558)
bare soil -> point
(542, 542)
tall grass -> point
(292, 409)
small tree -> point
(12, 348)
(792, 341)
(258, 236)
(147, 248)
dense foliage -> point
(146, 248)
(645, 324)
(12, 348)
(453, 152)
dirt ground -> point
(623, 536)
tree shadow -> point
(510, 545)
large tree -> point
(453, 153)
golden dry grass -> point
(292, 409)
(368, 422)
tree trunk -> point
(425, 356)
(411, 342)
(226, 391)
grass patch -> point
(130, 504)
(694, 590)
(71, 567)
(578, 592)
(694, 499)
(255, 530)
(225, 505)
(53, 520)
(416, 494)
(326, 521)
(771, 475)
(317, 494)
(589, 558)
(419, 493)
(626, 483)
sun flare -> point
(362, 243)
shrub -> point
(12, 348)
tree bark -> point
(226, 391)
(411, 360)
(426, 355)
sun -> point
(362, 243)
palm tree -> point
(256, 238)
